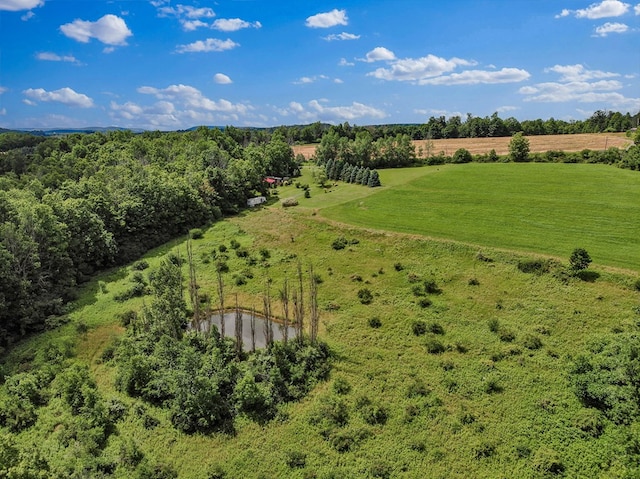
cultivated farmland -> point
(538, 144)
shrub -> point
(435, 328)
(400, 267)
(492, 386)
(636, 285)
(341, 386)
(196, 233)
(264, 254)
(417, 290)
(339, 243)
(365, 296)
(532, 342)
(140, 265)
(222, 248)
(234, 244)
(419, 328)
(535, 266)
(494, 325)
(222, 266)
(579, 260)
(288, 202)
(461, 155)
(296, 459)
(374, 414)
(424, 302)
(547, 461)
(473, 282)
(506, 335)
(242, 253)
(307, 194)
(434, 346)
(375, 322)
(431, 287)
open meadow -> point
(457, 363)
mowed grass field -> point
(538, 144)
(549, 209)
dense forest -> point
(73, 205)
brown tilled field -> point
(538, 144)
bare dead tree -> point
(268, 322)
(207, 314)
(238, 328)
(313, 307)
(253, 329)
(193, 287)
(284, 297)
(298, 304)
(221, 295)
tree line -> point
(437, 127)
(77, 204)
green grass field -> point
(544, 208)
(494, 402)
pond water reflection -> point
(260, 332)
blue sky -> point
(165, 64)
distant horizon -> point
(161, 65)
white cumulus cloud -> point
(222, 79)
(575, 85)
(419, 69)
(578, 72)
(341, 36)
(328, 19)
(233, 24)
(379, 54)
(17, 5)
(604, 9)
(609, 27)
(193, 98)
(317, 110)
(110, 29)
(636, 9)
(66, 96)
(208, 45)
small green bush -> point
(419, 328)
(365, 296)
(140, 265)
(400, 267)
(473, 282)
(424, 302)
(534, 266)
(531, 341)
(506, 335)
(222, 248)
(435, 328)
(375, 322)
(339, 243)
(434, 346)
(636, 285)
(341, 386)
(296, 459)
(431, 287)
(494, 325)
(196, 233)
(547, 461)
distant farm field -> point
(538, 144)
(543, 208)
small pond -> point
(230, 329)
